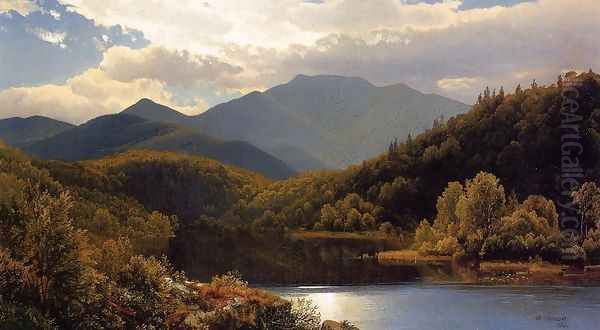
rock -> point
(333, 325)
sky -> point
(74, 60)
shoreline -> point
(499, 272)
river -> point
(456, 307)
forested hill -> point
(112, 134)
(82, 247)
(516, 136)
(23, 131)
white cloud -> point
(176, 68)
(514, 45)
(199, 27)
(257, 44)
(386, 41)
(86, 96)
(21, 6)
(458, 84)
(56, 38)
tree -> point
(425, 238)
(51, 247)
(353, 220)
(543, 208)
(587, 198)
(368, 221)
(329, 215)
(523, 235)
(446, 207)
(387, 228)
(480, 209)
(560, 82)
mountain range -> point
(111, 134)
(318, 121)
(23, 131)
(311, 122)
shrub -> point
(591, 245)
(447, 246)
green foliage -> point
(69, 248)
(349, 214)
(144, 287)
(513, 136)
(482, 204)
(474, 222)
(591, 245)
(523, 235)
(447, 219)
(587, 199)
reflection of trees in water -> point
(279, 260)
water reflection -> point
(456, 307)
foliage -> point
(479, 210)
(476, 222)
(70, 249)
(349, 214)
(591, 245)
(514, 136)
(587, 199)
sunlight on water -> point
(455, 307)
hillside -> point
(318, 122)
(77, 251)
(517, 137)
(23, 131)
(116, 133)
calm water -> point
(424, 307)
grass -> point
(302, 234)
(410, 256)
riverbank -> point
(502, 272)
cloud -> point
(386, 41)
(458, 84)
(194, 26)
(451, 47)
(173, 67)
(20, 6)
(86, 96)
(47, 42)
(512, 45)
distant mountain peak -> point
(148, 109)
(328, 78)
(145, 101)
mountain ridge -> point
(336, 120)
(117, 133)
(19, 131)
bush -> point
(424, 233)
(523, 235)
(144, 288)
(591, 245)
(447, 246)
